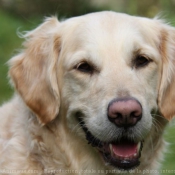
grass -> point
(169, 161)
(9, 41)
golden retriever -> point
(93, 96)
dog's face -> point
(113, 74)
(111, 81)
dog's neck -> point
(59, 149)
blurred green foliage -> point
(33, 8)
(22, 15)
(9, 42)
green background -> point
(22, 15)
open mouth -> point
(123, 154)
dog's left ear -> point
(34, 73)
(166, 97)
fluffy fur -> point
(39, 130)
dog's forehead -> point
(110, 27)
(106, 23)
(109, 35)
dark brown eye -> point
(141, 61)
(85, 67)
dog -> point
(93, 95)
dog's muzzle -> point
(124, 153)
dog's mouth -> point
(123, 154)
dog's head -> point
(109, 74)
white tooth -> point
(135, 155)
(138, 146)
(110, 146)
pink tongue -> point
(124, 149)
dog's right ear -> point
(166, 98)
(34, 71)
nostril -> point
(134, 118)
(115, 117)
(136, 114)
(119, 115)
(124, 112)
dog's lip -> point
(124, 149)
(122, 154)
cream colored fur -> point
(39, 132)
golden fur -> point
(39, 132)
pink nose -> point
(124, 112)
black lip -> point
(120, 164)
(89, 137)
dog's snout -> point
(124, 112)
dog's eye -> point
(141, 61)
(85, 67)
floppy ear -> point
(166, 100)
(33, 72)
